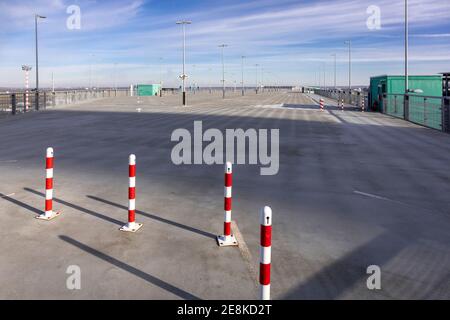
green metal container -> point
(380, 85)
(148, 89)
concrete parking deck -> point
(354, 189)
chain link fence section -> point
(14, 103)
(429, 111)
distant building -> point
(148, 89)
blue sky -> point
(292, 41)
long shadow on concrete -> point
(151, 216)
(138, 273)
(349, 270)
(20, 203)
(76, 207)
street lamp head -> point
(40, 17)
(223, 45)
(183, 22)
(26, 68)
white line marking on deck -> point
(372, 195)
(245, 252)
(8, 195)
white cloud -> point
(284, 35)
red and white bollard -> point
(49, 214)
(321, 104)
(265, 252)
(342, 104)
(131, 226)
(227, 239)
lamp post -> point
(406, 100)
(262, 79)
(223, 46)
(242, 69)
(349, 42)
(183, 23)
(91, 57)
(36, 17)
(160, 76)
(193, 85)
(256, 87)
(324, 76)
(406, 47)
(115, 75)
(334, 55)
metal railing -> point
(21, 102)
(429, 111)
(355, 98)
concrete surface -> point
(354, 189)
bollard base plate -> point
(131, 228)
(226, 241)
(51, 217)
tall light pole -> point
(36, 17)
(223, 46)
(349, 42)
(406, 47)
(334, 55)
(160, 76)
(183, 76)
(256, 87)
(242, 70)
(193, 86)
(262, 79)
(324, 76)
(91, 55)
(115, 76)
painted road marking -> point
(245, 253)
(371, 195)
(8, 195)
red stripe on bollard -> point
(266, 236)
(227, 228)
(227, 204)
(132, 171)
(131, 193)
(228, 179)
(131, 216)
(48, 205)
(264, 276)
(48, 183)
(49, 163)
